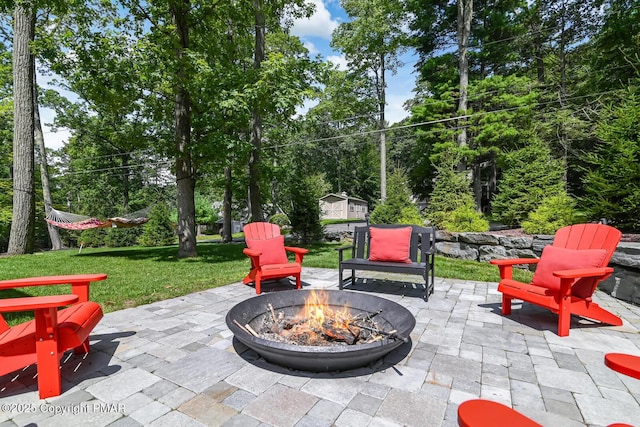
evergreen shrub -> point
(159, 230)
(305, 210)
(452, 206)
(398, 208)
(553, 213)
(465, 219)
(281, 220)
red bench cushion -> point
(390, 244)
(556, 259)
(272, 250)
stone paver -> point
(175, 362)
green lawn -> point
(139, 275)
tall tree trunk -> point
(125, 181)
(255, 198)
(383, 137)
(23, 219)
(538, 40)
(185, 176)
(54, 235)
(226, 208)
(465, 11)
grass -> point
(139, 275)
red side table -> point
(487, 413)
(627, 364)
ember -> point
(318, 324)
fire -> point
(317, 311)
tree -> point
(612, 182)
(529, 175)
(305, 208)
(372, 42)
(23, 218)
(398, 208)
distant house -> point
(341, 206)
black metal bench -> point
(421, 254)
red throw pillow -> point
(557, 259)
(272, 250)
(390, 244)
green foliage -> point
(280, 219)
(465, 218)
(450, 192)
(204, 210)
(612, 184)
(553, 213)
(398, 208)
(305, 210)
(158, 231)
(121, 237)
(92, 238)
(6, 205)
(530, 175)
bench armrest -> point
(342, 249)
(34, 303)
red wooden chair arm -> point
(34, 303)
(506, 265)
(293, 249)
(79, 283)
(300, 252)
(514, 261)
(583, 272)
(251, 252)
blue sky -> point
(315, 33)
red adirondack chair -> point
(45, 339)
(567, 275)
(265, 247)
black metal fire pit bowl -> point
(392, 316)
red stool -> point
(487, 413)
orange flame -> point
(316, 311)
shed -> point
(341, 206)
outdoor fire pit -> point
(375, 326)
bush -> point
(464, 219)
(158, 231)
(305, 211)
(281, 220)
(553, 213)
(119, 237)
(451, 193)
(93, 237)
(612, 183)
(531, 175)
(398, 208)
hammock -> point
(71, 221)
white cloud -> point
(313, 50)
(394, 111)
(320, 24)
(340, 61)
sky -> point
(315, 33)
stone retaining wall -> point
(624, 283)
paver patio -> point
(175, 363)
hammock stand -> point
(71, 221)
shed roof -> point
(342, 196)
